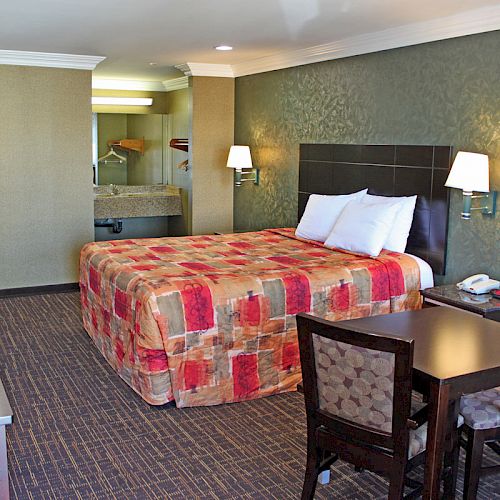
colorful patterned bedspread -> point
(205, 320)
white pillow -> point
(321, 213)
(363, 228)
(398, 236)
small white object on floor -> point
(324, 477)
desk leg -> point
(4, 471)
(436, 433)
(452, 454)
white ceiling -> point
(133, 33)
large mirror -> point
(129, 166)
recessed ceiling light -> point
(223, 47)
(153, 64)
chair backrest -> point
(356, 382)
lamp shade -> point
(470, 172)
(239, 158)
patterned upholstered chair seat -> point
(418, 437)
(481, 410)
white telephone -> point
(478, 283)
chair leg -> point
(397, 484)
(311, 475)
(314, 458)
(473, 459)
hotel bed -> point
(204, 320)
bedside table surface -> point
(450, 294)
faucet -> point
(113, 189)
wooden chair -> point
(358, 398)
(481, 411)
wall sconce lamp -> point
(240, 159)
(470, 172)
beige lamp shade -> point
(470, 172)
(239, 157)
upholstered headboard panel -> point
(390, 171)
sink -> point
(104, 195)
(132, 195)
(144, 201)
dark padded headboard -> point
(390, 171)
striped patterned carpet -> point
(80, 432)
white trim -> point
(465, 23)
(184, 67)
(110, 84)
(176, 83)
(49, 60)
(121, 101)
(206, 69)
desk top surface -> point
(448, 343)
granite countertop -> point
(450, 294)
(121, 202)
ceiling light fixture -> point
(223, 47)
(123, 101)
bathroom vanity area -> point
(113, 204)
(119, 202)
(132, 164)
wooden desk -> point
(454, 353)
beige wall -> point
(46, 203)
(211, 135)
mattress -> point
(426, 274)
(205, 320)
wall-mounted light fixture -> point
(123, 101)
(470, 172)
(240, 159)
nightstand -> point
(485, 305)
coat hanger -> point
(112, 153)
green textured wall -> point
(446, 92)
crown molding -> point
(111, 84)
(175, 83)
(184, 68)
(206, 69)
(49, 60)
(466, 23)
